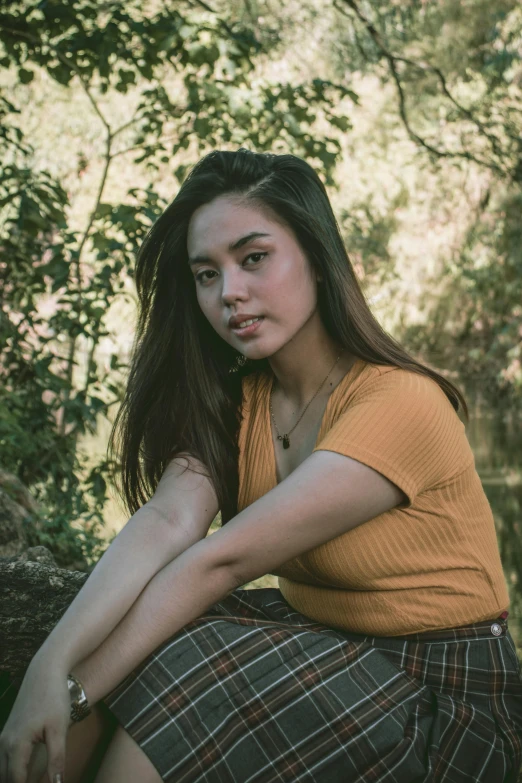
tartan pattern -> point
(255, 692)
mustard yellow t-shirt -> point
(433, 563)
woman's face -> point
(246, 263)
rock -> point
(33, 597)
(34, 591)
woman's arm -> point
(328, 494)
(178, 515)
(179, 593)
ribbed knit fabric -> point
(432, 563)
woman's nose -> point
(233, 287)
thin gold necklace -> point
(285, 437)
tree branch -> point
(63, 59)
(392, 61)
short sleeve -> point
(401, 424)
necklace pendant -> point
(286, 442)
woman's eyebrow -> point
(233, 246)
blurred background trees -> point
(411, 113)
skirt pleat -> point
(255, 692)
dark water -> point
(496, 439)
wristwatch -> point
(79, 704)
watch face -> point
(73, 690)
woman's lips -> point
(247, 330)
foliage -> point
(192, 84)
(34, 247)
(484, 305)
(455, 71)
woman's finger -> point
(37, 763)
(55, 739)
(18, 762)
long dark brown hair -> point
(184, 387)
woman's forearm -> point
(178, 594)
(141, 549)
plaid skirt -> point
(255, 692)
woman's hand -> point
(40, 714)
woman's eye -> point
(255, 254)
(201, 279)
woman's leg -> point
(125, 762)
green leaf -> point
(61, 73)
(202, 126)
(25, 76)
(341, 122)
(103, 210)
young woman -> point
(262, 385)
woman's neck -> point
(298, 388)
